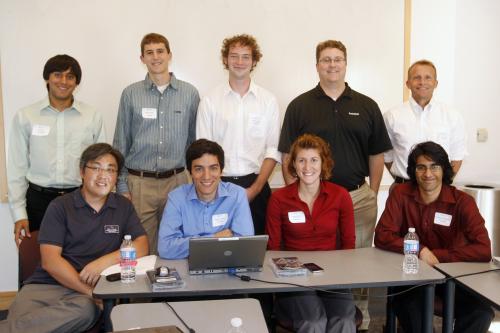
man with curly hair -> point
(244, 119)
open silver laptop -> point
(227, 255)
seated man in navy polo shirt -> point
(79, 237)
(206, 208)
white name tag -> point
(40, 130)
(219, 219)
(442, 219)
(149, 113)
(297, 217)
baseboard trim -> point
(6, 298)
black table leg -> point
(106, 313)
(448, 306)
(390, 317)
(428, 310)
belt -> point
(51, 190)
(355, 187)
(400, 180)
(245, 177)
(148, 174)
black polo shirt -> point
(84, 234)
(352, 125)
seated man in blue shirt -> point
(206, 208)
(79, 237)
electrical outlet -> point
(482, 135)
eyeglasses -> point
(328, 60)
(106, 171)
(423, 168)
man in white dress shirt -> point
(244, 119)
(45, 144)
(420, 119)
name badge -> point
(111, 229)
(219, 219)
(297, 217)
(442, 219)
(40, 130)
(149, 113)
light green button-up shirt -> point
(45, 147)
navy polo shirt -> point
(84, 234)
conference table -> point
(485, 284)
(213, 316)
(343, 269)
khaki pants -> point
(365, 217)
(50, 308)
(149, 196)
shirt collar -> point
(45, 104)
(320, 93)
(149, 84)
(293, 189)
(446, 194)
(252, 89)
(416, 107)
(80, 202)
(221, 192)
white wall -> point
(104, 36)
(460, 37)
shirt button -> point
(161, 126)
(159, 157)
(161, 142)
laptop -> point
(496, 261)
(227, 255)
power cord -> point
(248, 278)
(190, 330)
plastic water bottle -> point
(127, 260)
(411, 245)
(236, 326)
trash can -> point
(488, 201)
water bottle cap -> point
(236, 322)
(411, 229)
(128, 237)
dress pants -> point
(472, 315)
(258, 206)
(50, 308)
(149, 196)
(365, 217)
(316, 312)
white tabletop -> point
(485, 284)
(202, 316)
(367, 267)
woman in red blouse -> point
(312, 214)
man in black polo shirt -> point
(354, 128)
(80, 236)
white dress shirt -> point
(247, 127)
(409, 124)
(45, 147)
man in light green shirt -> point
(45, 144)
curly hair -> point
(310, 141)
(242, 40)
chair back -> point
(29, 257)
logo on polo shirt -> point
(354, 113)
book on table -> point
(288, 266)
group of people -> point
(61, 179)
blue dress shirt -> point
(186, 216)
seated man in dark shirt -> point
(79, 237)
(449, 226)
